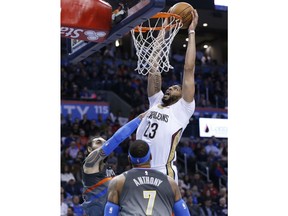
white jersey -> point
(162, 128)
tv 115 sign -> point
(209, 127)
(79, 108)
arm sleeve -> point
(111, 209)
(120, 135)
(180, 208)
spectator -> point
(202, 156)
(67, 140)
(65, 126)
(72, 151)
(186, 181)
(210, 147)
(222, 208)
(216, 171)
(73, 187)
(64, 206)
(85, 93)
(112, 162)
(82, 140)
(66, 196)
(78, 209)
(195, 194)
(210, 190)
(198, 181)
(186, 149)
(194, 209)
(224, 154)
(69, 119)
(79, 158)
(182, 185)
(222, 193)
(93, 128)
(66, 174)
(76, 167)
(70, 211)
(207, 209)
(84, 122)
(75, 127)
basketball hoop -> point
(153, 39)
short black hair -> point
(138, 149)
(90, 141)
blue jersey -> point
(96, 184)
(95, 191)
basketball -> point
(183, 9)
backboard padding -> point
(136, 15)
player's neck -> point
(169, 103)
(142, 166)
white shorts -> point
(173, 172)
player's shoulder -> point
(183, 102)
(156, 96)
(117, 180)
(186, 107)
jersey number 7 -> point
(150, 195)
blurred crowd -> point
(113, 70)
(198, 190)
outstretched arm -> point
(121, 134)
(99, 154)
(188, 84)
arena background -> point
(43, 183)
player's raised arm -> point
(154, 83)
(188, 84)
(154, 76)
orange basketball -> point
(183, 9)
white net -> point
(152, 41)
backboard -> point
(138, 13)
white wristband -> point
(191, 32)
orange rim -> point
(157, 16)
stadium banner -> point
(79, 108)
(209, 127)
(211, 112)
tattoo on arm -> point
(94, 157)
(157, 84)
